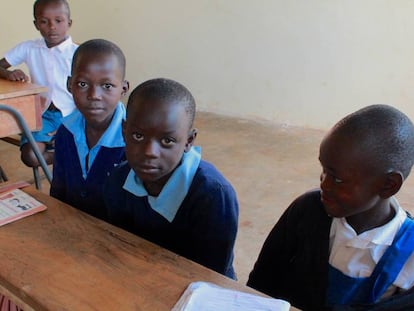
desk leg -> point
(25, 129)
(3, 176)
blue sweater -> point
(68, 184)
(204, 228)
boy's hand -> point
(50, 146)
(52, 133)
(17, 75)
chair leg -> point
(37, 178)
(3, 176)
(25, 129)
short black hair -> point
(385, 133)
(39, 3)
(166, 90)
(100, 47)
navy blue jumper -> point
(204, 228)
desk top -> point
(12, 89)
(63, 259)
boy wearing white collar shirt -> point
(164, 192)
(48, 60)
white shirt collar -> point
(61, 46)
(383, 235)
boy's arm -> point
(293, 262)
(272, 262)
(12, 75)
(214, 229)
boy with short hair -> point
(89, 143)
(165, 193)
(349, 244)
(48, 60)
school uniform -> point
(294, 263)
(195, 215)
(373, 265)
(79, 172)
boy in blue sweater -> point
(89, 143)
(348, 245)
(165, 193)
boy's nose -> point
(52, 25)
(151, 149)
(94, 93)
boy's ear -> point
(125, 87)
(70, 22)
(190, 139)
(392, 184)
(68, 84)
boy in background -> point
(348, 245)
(164, 192)
(48, 60)
(89, 143)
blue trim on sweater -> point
(174, 191)
(112, 137)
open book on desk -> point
(16, 204)
(204, 296)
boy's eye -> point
(107, 86)
(82, 84)
(331, 177)
(137, 136)
(167, 141)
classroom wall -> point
(296, 62)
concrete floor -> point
(268, 164)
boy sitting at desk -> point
(164, 192)
(348, 245)
(89, 143)
(48, 60)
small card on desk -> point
(204, 296)
(16, 204)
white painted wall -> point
(298, 62)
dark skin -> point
(97, 85)
(157, 133)
(353, 186)
(53, 22)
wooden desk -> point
(25, 99)
(63, 259)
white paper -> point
(204, 296)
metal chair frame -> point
(26, 131)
